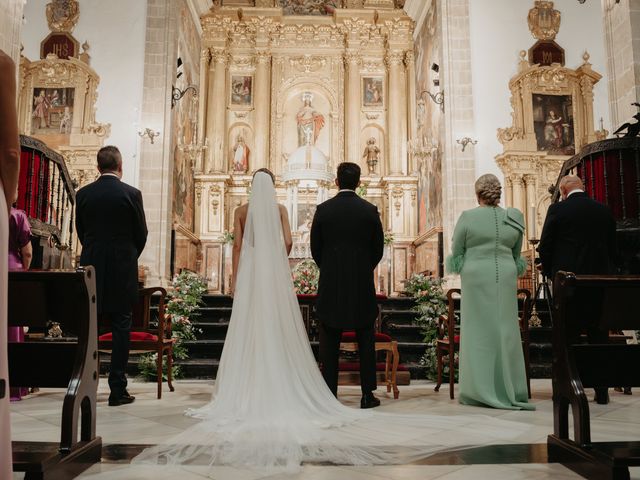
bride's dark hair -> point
(268, 172)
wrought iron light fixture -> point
(464, 141)
(177, 94)
(438, 97)
(147, 132)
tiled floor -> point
(149, 421)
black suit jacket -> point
(112, 229)
(578, 236)
(347, 243)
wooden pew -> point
(67, 297)
(580, 366)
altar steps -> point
(397, 320)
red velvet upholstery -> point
(355, 367)
(134, 337)
(350, 337)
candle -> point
(532, 222)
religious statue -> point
(371, 153)
(309, 121)
(240, 155)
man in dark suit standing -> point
(347, 243)
(579, 236)
(112, 229)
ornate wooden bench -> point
(69, 298)
(580, 366)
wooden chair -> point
(146, 338)
(448, 328)
(66, 297)
(383, 342)
(577, 365)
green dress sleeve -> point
(455, 261)
(516, 220)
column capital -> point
(409, 58)
(205, 55)
(219, 56)
(263, 56)
(517, 180)
(530, 179)
(394, 58)
(352, 58)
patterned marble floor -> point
(147, 421)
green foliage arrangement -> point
(227, 237)
(305, 277)
(431, 302)
(388, 238)
(184, 298)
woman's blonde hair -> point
(488, 189)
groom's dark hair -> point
(348, 176)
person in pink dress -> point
(20, 254)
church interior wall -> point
(115, 32)
(498, 33)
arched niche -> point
(240, 132)
(288, 102)
(373, 130)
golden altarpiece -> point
(298, 95)
(552, 119)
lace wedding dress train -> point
(271, 409)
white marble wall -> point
(622, 30)
(10, 26)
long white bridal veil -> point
(271, 410)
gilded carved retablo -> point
(62, 15)
(544, 20)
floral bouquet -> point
(305, 277)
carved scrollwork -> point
(308, 63)
(62, 15)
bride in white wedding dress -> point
(271, 409)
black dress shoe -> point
(369, 401)
(121, 400)
(602, 398)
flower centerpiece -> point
(185, 297)
(305, 277)
(431, 302)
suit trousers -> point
(121, 330)
(330, 352)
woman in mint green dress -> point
(486, 253)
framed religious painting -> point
(241, 91)
(373, 92)
(553, 124)
(51, 110)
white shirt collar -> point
(575, 190)
(346, 190)
(109, 174)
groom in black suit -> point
(112, 229)
(347, 243)
(579, 236)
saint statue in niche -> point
(240, 155)
(309, 121)
(371, 153)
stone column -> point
(352, 62)
(156, 166)
(622, 42)
(262, 99)
(10, 26)
(508, 191)
(217, 110)
(530, 181)
(519, 193)
(394, 109)
(205, 58)
(411, 103)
